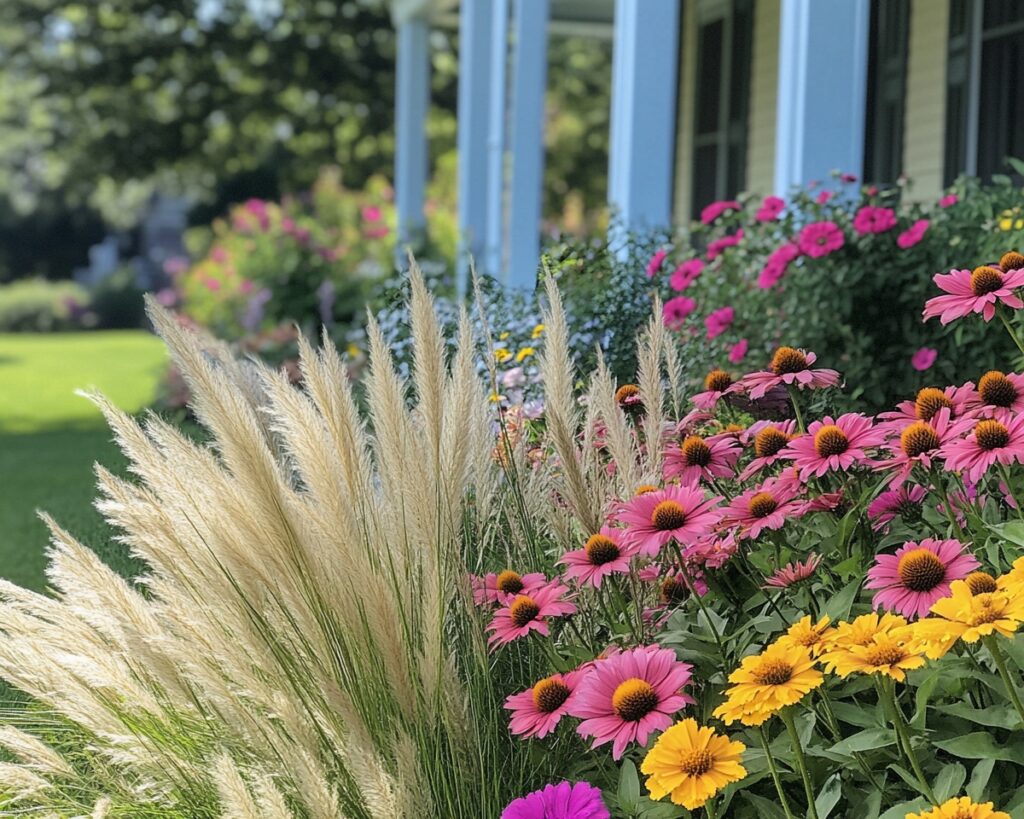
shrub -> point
(117, 301)
(41, 306)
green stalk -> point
(796, 406)
(1013, 333)
(709, 808)
(774, 772)
(700, 603)
(992, 642)
(801, 763)
(903, 737)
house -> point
(713, 97)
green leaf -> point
(979, 779)
(629, 787)
(900, 811)
(828, 796)
(995, 716)
(866, 740)
(838, 606)
(949, 781)
(924, 693)
(981, 745)
(764, 807)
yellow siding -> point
(684, 116)
(925, 116)
(764, 81)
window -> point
(985, 86)
(887, 79)
(724, 46)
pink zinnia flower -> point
(718, 321)
(833, 444)
(977, 291)
(872, 219)
(654, 265)
(793, 573)
(686, 274)
(501, 587)
(738, 351)
(847, 177)
(697, 457)
(537, 711)
(919, 443)
(824, 197)
(680, 513)
(989, 442)
(913, 234)
(923, 359)
(820, 238)
(790, 367)
(948, 200)
(565, 800)
(770, 439)
(764, 507)
(630, 695)
(716, 209)
(602, 555)
(777, 264)
(911, 580)
(770, 209)
(719, 246)
(905, 502)
(529, 612)
(675, 311)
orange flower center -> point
(717, 381)
(980, 583)
(929, 401)
(696, 762)
(920, 570)
(696, 451)
(509, 582)
(996, 389)
(985, 279)
(601, 549)
(773, 672)
(1011, 261)
(634, 699)
(625, 394)
(991, 435)
(884, 654)
(762, 504)
(920, 437)
(987, 611)
(788, 360)
(673, 590)
(769, 441)
(668, 515)
(523, 610)
(549, 694)
(830, 440)
(646, 488)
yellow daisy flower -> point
(891, 653)
(524, 354)
(691, 763)
(862, 631)
(961, 807)
(767, 682)
(812, 636)
(538, 331)
(969, 617)
(504, 336)
(502, 355)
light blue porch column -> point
(494, 245)
(644, 69)
(473, 116)
(823, 66)
(412, 98)
(529, 81)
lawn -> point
(50, 438)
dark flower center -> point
(634, 699)
(769, 441)
(696, 762)
(762, 504)
(601, 549)
(981, 583)
(920, 437)
(523, 610)
(928, 403)
(920, 570)
(549, 694)
(673, 590)
(696, 451)
(773, 672)
(1011, 261)
(788, 360)
(991, 435)
(668, 515)
(717, 381)
(830, 440)
(985, 279)
(996, 389)
(509, 582)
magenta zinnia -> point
(680, 513)
(566, 800)
(832, 445)
(529, 612)
(537, 711)
(628, 696)
(974, 291)
(820, 238)
(918, 574)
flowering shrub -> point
(642, 602)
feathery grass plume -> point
(621, 443)
(650, 353)
(677, 374)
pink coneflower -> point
(738, 351)
(500, 587)
(948, 200)
(764, 507)
(911, 580)
(654, 265)
(919, 443)
(719, 246)
(537, 711)
(904, 501)
(913, 234)
(1001, 395)
(834, 502)
(680, 513)
(793, 573)
(977, 291)
(927, 403)
(529, 612)
(872, 219)
(820, 238)
(718, 321)
(717, 384)
(712, 553)
(790, 367)
(770, 438)
(833, 444)
(566, 800)
(686, 274)
(675, 311)
(716, 209)
(923, 359)
(989, 442)
(630, 695)
(602, 555)
(698, 457)
(777, 264)
(770, 209)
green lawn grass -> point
(50, 438)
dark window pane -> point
(709, 76)
(1002, 12)
(1002, 96)
(705, 178)
(887, 71)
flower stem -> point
(1005, 473)
(801, 763)
(775, 773)
(796, 406)
(700, 603)
(709, 808)
(1010, 330)
(992, 642)
(904, 738)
